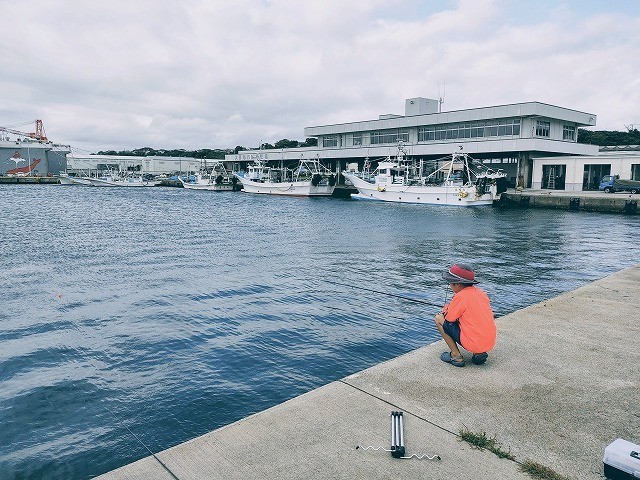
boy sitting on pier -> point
(467, 320)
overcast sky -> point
(197, 74)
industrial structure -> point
(80, 164)
(31, 153)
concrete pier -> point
(30, 180)
(562, 383)
(592, 201)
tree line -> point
(212, 153)
(608, 138)
(603, 138)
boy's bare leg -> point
(451, 343)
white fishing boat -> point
(309, 179)
(122, 181)
(217, 179)
(66, 179)
(446, 181)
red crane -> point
(38, 135)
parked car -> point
(613, 183)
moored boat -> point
(122, 181)
(66, 179)
(446, 181)
(217, 179)
(309, 179)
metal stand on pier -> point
(397, 441)
(397, 436)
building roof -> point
(527, 109)
(620, 148)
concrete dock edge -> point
(561, 384)
(588, 201)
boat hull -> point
(459, 196)
(64, 180)
(221, 187)
(67, 180)
(294, 189)
(81, 181)
(100, 182)
(213, 188)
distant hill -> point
(606, 138)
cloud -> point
(213, 74)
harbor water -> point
(132, 320)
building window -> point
(330, 141)
(357, 138)
(542, 128)
(569, 132)
(389, 136)
(553, 176)
(426, 134)
(593, 174)
(635, 171)
(491, 128)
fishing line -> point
(388, 320)
(141, 443)
(358, 287)
(119, 420)
(144, 445)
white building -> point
(507, 136)
(580, 173)
(153, 165)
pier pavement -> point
(561, 384)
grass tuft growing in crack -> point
(540, 471)
(533, 469)
(481, 440)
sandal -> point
(479, 358)
(455, 361)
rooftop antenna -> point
(441, 97)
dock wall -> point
(27, 180)
(585, 201)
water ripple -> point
(180, 313)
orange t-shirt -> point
(471, 307)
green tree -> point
(285, 143)
(214, 153)
(607, 138)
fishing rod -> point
(383, 293)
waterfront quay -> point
(561, 384)
(30, 180)
(592, 201)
